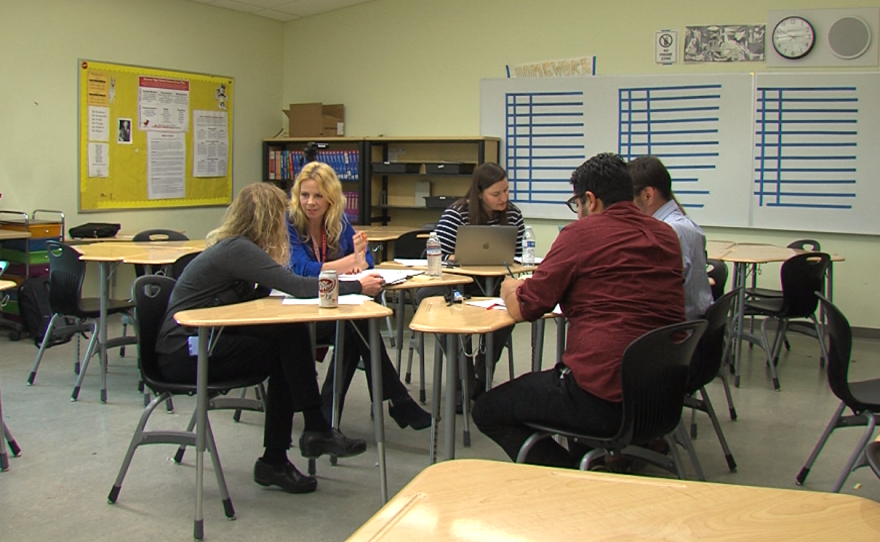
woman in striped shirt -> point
(485, 204)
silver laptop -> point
(485, 245)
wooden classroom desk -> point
(435, 316)
(271, 310)
(419, 281)
(716, 249)
(489, 273)
(382, 234)
(746, 257)
(471, 499)
(6, 235)
(108, 255)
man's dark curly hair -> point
(606, 176)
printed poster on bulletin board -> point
(152, 138)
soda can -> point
(328, 289)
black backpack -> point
(36, 312)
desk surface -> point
(130, 251)
(270, 310)
(716, 249)
(6, 235)
(490, 270)
(6, 284)
(426, 281)
(487, 500)
(435, 316)
(378, 234)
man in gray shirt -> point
(652, 187)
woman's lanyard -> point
(322, 255)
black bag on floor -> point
(36, 312)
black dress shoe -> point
(313, 444)
(408, 413)
(284, 476)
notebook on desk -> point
(485, 245)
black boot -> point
(408, 413)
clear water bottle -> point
(434, 255)
(528, 247)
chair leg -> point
(390, 330)
(510, 371)
(90, 351)
(731, 464)
(409, 357)
(228, 509)
(688, 445)
(773, 350)
(136, 440)
(676, 457)
(857, 453)
(731, 409)
(821, 336)
(832, 425)
(236, 417)
(529, 444)
(37, 361)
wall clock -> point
(793, 37)
(849, 37)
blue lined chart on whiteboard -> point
(544, 138)
(805, 142)
(815, 152)
(679, 125)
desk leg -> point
(105, 300)
(490, 359)
(201, 425)
(378, 412)
(401, 310)
(338, 360)
(739, 279)
(451, 377)
(435, 398)
(537, 345)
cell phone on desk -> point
(448, 263)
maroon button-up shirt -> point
(616, 276)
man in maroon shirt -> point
(616, 274)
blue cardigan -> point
(303, 260)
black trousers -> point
(355, 350)
(552, 397)
(283, 353)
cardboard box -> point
(316, 120)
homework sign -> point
(582, 66)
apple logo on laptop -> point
(485, 246)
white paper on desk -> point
(411, 262)
(277, 293)
(538, 259)
(351, 299)
(391, 276)
(491, 303)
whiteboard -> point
(776, 151)
(817, 152)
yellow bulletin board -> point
(151, 138)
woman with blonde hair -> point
(246, 258)
(321, 238)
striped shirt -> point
(453, 217)
(697, 292)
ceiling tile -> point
(237, 6)
(277, 15)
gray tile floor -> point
(58, 488)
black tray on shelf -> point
(396, 167)
(449, 168)
(439, 202)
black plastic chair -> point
(654, 374)
(718, 272)
(801, 276)
(862, 398)
(409, 245)
(149, 236)
(151, 294)
(806, 245)
(706, 366)
(66, 275)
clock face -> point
(793, 37)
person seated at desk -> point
(485, 204)
(322, 238)
(652, 189)
(616, 275)
(247, 257)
